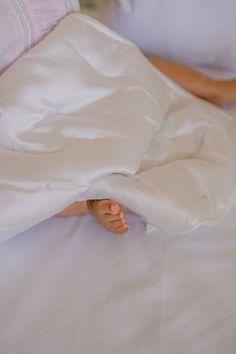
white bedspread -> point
(69, 286)
(84, 115)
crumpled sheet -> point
(84, 115)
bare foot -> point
(77, 208)
(109, 214)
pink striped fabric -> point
(23, 23)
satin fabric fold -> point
(84, 115)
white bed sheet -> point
(69, 286)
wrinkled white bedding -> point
(69, 286)
(84, 115)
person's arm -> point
(215, 91)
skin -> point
(110, 213)
(218, 92)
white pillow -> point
(198, 33)
(24, 22)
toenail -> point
(113, 207)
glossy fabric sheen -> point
(84, 115)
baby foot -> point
(77, 208)
(109, 214)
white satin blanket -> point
(84, 115)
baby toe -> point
(119, 226)
(114, 208)
(110, 218)
(107, 206)
(122, 229)
(118, 223)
